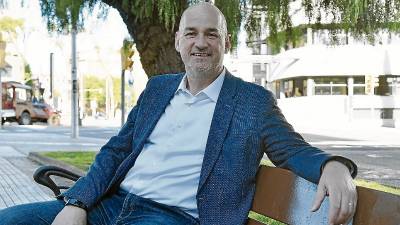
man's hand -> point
(337, 183)
(71, 215)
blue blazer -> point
(246, 124)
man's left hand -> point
(337, 183)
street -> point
(377, 161)
(40, 137)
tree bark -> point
(154, 42)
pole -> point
(122, 97)
(74, 91)
(51, 74)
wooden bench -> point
(287, 198)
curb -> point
(43, 160)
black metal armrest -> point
(43, 173)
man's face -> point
(201, 41)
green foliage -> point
(165, 11)
(28, 74)
(233, 11)
(64, 15)
(95, 89)
(10, 25)
(360, 18)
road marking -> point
(47, 143)
(347, 146)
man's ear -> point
(177, 41)
(227, 43)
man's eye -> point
(190, 34)
(212, 35)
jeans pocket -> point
(123, 217)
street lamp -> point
(74, 91)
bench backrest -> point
(285, 197)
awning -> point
(344, 60)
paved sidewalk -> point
(16, 187)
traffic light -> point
(127, 52)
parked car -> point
(20, 106)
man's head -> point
(202, 39)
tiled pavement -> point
(15, 186)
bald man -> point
(190, 149)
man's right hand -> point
(71, 215)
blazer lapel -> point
(151, 113)
(219, 126)
(156, 107)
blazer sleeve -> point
(287, 149)
(90, 188)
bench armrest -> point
(43, 173)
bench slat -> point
(285, 197)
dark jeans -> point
(120, 209)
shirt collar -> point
(212, 90)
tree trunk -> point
(154, 42)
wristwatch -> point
(74, 202)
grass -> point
(83, 160)
(264, 219)
(377, 186)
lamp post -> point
(74, 91)
(127, 52)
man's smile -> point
(200, 54)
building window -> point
(22, 95)
(9, 94)
(387, 113)
(395, 85)
(295, 88)
(330, 85)
(288, 88)
(359, 85)
(259, 73)
(388, 85)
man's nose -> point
(201, 42)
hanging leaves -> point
(363, 19)
(360, 18)
(63, 15)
